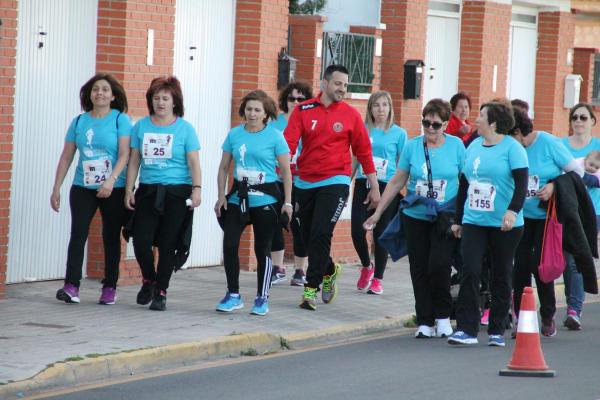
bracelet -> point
(512, 212)
(289, 205)
(196, 187)
(114, 177)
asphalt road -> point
(395, 367)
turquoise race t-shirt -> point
(164, 150)
(491, 185)
(255, 157)
(547, 158)
(582, 152)
(446, 162)
(387, 147)
(97, 140)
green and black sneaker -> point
(309, 299)
(330, 289)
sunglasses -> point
(435, 125)
(582, 117)
(299, 99)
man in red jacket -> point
(328, 128)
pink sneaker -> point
(109, 296)
(366, 275)
(485, 318)
(376, 287)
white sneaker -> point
(443, 327)
(425, 332)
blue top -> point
(582, 152)
(491, 185)
(97, 140)
(387, 147)
(164, 151)
(255, 157)
(280, 123)
(547, 159)
(446, 162)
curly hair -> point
(85, 93)
(170, 84)
(267, 102)
(301, 87)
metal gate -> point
(204, 43)
(56, 54)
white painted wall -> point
(343, 13)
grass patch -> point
(250, 352)
(284, 343)
(411, 322)
(76, 358)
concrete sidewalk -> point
(37, 330)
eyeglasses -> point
(581, 117)
(299, 99)
(435, 125)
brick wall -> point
(404, 39)
(483, 45)
(556, 36)
(8, 54)
(260, 33)
(305, 30)
(583, 64)
(121, 50)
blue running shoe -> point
(230, 303)
(460, 337)
(261, 306)
(496, 340)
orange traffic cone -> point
(527, 358)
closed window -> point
(596, 81)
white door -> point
(204, 40)
(440, 75)
(522, 60)
(56, 55)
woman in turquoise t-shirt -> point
(255, 149)
(164, 149)
(489, 206)
(289, 98)
(548, 158)
(429, 166)
(582, 119)
(387, 142)
(101, 135)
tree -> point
(310, 7)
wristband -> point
(289, 205)
(512, 212)
(114, 177)
(196, 187)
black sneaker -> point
(159, 302)
(146, 293)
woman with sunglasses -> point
(429, 165)
(548, 158)
(290, 96)
(582, 119)
(489, 217)
(387, 142)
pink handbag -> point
(552, 262)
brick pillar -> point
(556, 32)
(404, 39)
(121, 51)
(261, 31)
(583, 64)
(305, 30)
(8, 72)
(484, 46)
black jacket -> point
(575, 211)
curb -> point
(89, 370)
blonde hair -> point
(370, 119)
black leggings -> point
(278, 241)
(430, 259)
(360, 215)
(319, 210)
(527, 260)
(502, 246)
(84, 204)
(264, 220)
(152, 229)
